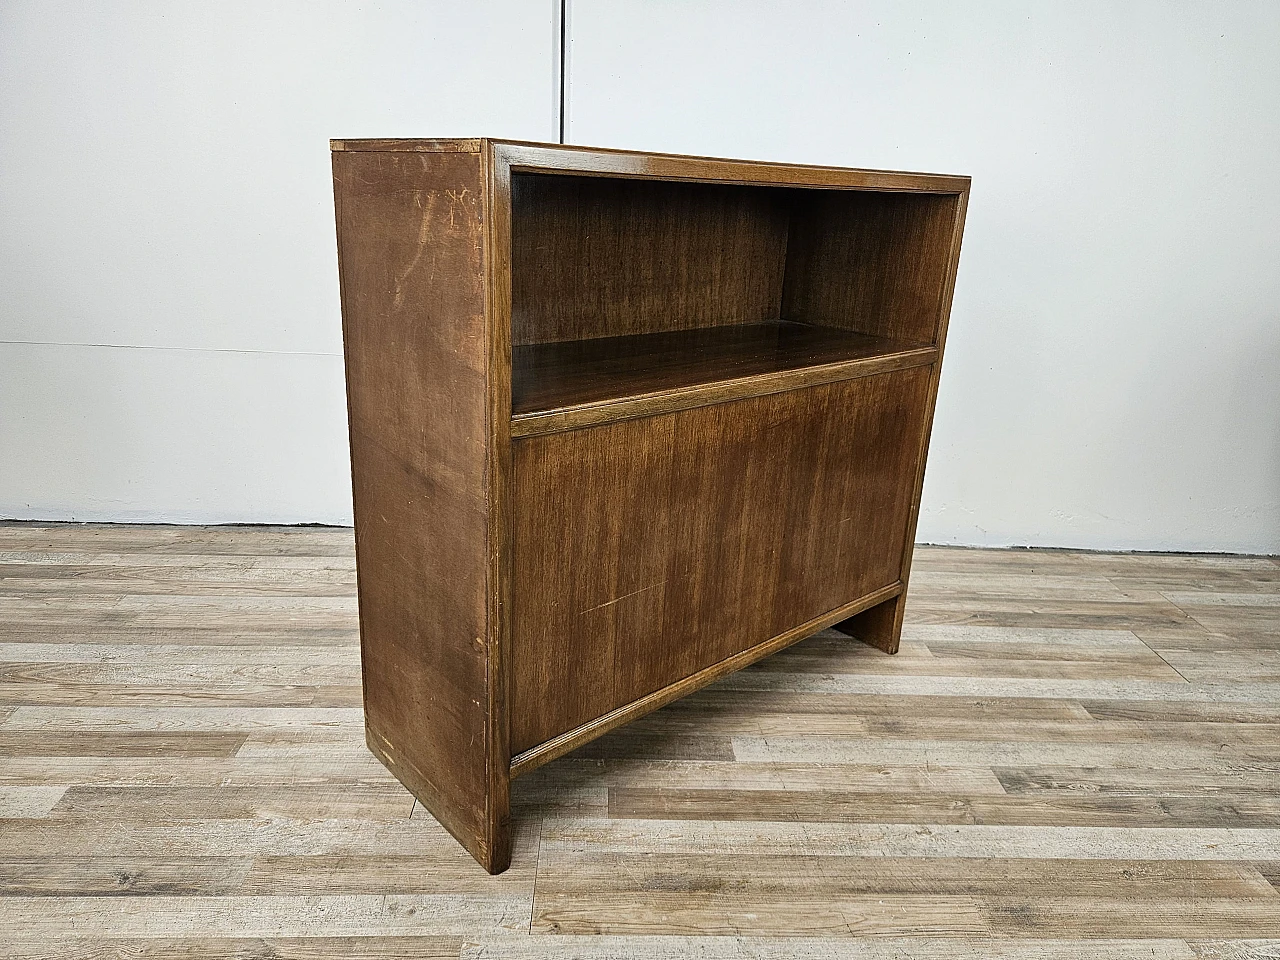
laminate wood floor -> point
(1074, 755)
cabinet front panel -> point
(649, 549)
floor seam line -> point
(537, 869)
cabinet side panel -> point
(647, 550)
(411, 256)
(868, 261)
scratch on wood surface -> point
(609, 603)
(424, 232)
(455, 197)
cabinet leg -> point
(498, 847)
(880, 626)
(477, 811)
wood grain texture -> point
(600, 161)
(1016, 783)
(575, 737)
(707, 532)
(881, 632)
(411, 247)
(559, 386)
(609, 257)
(241, 948)
(494, 290)
(873, 262)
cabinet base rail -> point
(535, 757)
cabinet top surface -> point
(522, 156)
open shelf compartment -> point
(578, 382)
(636, 296)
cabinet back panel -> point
(605, 257)
(870, 261)
(649, 549)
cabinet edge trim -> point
(564, 419)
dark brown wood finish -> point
(867, 261)
(558, 386)
(608, 257)
(883, 629)
(879, 625)
(414, 327)
(497, 286)
(549, 750)
(621, 423)
(521, 156)
(706, 532)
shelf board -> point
(563, 386)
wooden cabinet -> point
(621, 423)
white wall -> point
(168, 292)
(170, 341)
(1113, 370)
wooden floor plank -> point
(254, 541)
(987, 687)
(121, 876)
(195, 632)
(673, 947)
(796, 877)
(436, 915)
(814, 659)
(738, 775)
(1139, 782)
(81, 692)
(1225, 664)
(413, 836)
(16, 742)
(28, 802)
(722, 698)
(825, 839)
(1041, 807)
(742, 723)
(1005, 753)
(226, 948)
(21, 580)
(862, 916)
(264, 773)
(158, 656)
(383, 800)
(187, 719)
(1183, 711)
(376, 873)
